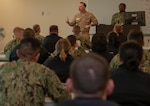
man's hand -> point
(67, 20)
(87, 26)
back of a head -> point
(29, 48)
(63, 47)
(113, 39)
(36, 28)
(136, 35)
(72, 40)
(18, 32)
(99, 42)
(28, 33)
(118, 28)
(131, 54)
(53, 28)
(76, 30)
(89, 78)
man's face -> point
(81, 7)
(121, 8)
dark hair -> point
(113, 39)
(72, 40)
(89, 78)
(36, 28)
(99, 42)
(123, 4)
(53, 28)
(131, 54)
(136, 35)
(29, 48)
(83, 4)
(28, 33)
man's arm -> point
(94, 21)
(114, 63)
(70, 23)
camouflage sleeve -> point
(73, 22)
(39, 37)
(114, 63)
(8, 49)
(56, 90)
(86, 44)
(113, 21)
(145, 64)
(79, 51)
(94, 20)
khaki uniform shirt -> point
(85, 19)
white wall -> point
(25, 13)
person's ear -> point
(110, 87)
(69, 85)
(37, 57)
(17, 52)
(119, 59)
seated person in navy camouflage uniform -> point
(76, 50)
(137, 36)
(89, 83)
(28, 32)
(17, 35)
(37, 31)
(85, 43)
(25, 82)
(132, 86)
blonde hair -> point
(118, 28)
(63, 47)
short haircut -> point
(89, 73)
(83, 4)
(131, 54)
(123, 4)
(17, 29)
(76, 30)
(36, 28)
(72, 40)
(28, 32)
(136, 35)
(29, 48)
(53, 28)
(99, 42)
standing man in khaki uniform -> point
(84, 19)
